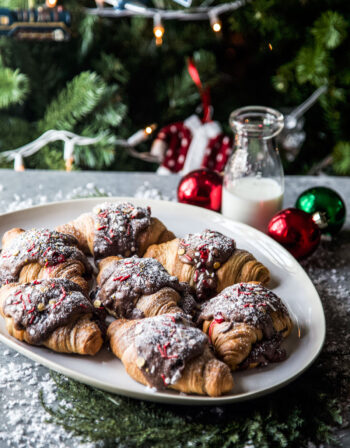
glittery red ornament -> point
(296, 231)
(202, 188)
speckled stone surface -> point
(22, 420)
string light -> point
(141, 135)
(270, 46)
(18, 163)
(51, 3)
(215, 22)
(70, 140)
(150, 129)
(158, 29)
(120, 9)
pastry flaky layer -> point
(117, 229)
(54, 313)
(168, 352)
(140, 287)
(209, 262)
(41, 253)
(246, 324)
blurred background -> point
(107, 76)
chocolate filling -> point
(264, 352)
(124, 281)
(207, 251)
(42, 306)
(117, 228)
(251, 304)
(164, 345)
(43, 246)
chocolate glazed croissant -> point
(167, 351)
(209, 262)
(36, 254)
(117, 229)
(54, 313)
(246, 324)
(140, 287)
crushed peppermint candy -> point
(40, 308)
(123, 282)
(207, 251)
(117, 228)
(46, 247)
(165, 344)
(244, 302)
(254, 305)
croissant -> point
(117, 229)
(36, 254)
(54, 313)
(167, 351)
(208, 261)
(246, 324)
(140, 287)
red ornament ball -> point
(296, 231)
(201, 187)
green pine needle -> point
(330, 29)
(80, 97)
(291, 417)
(14, 87)
(312, 65)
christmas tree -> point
(111, 79)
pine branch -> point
(330, 29)
(79, 98)
(14, 87)
(99, 416)
(312, 65)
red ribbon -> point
(204, 93)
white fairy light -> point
(210, 13)
(70, 140)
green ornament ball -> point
(325, 201)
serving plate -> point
(289, 281)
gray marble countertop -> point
(22, 419)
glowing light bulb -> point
(51, 3)
(215, 23)
(270, 46)
(149, 129)
(158, 29)
(216, 27)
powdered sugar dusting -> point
(164, 344)
(123, 282)
(245, 302)
(117, 227)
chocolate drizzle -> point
(164, 345)
(42, 306)
(117, 227)
(207, 251)
(124, 281)
(252, 304)
(46, 247)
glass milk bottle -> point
(254, 182)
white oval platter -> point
(289, 281)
